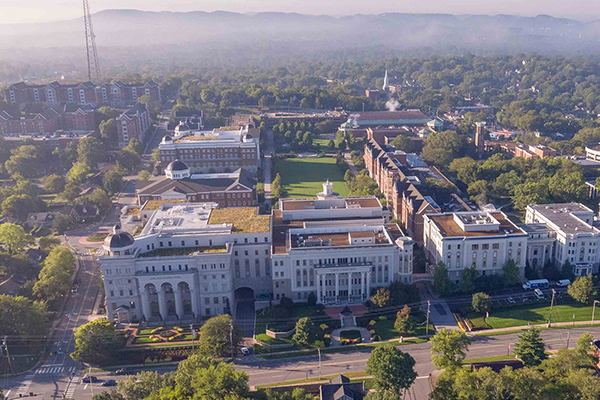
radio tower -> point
(90, 44)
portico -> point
(343, 283)
(176, 297)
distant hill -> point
(393, 30)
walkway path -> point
(351, 165)
(440, 314)
(269, 153)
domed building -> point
(166, 139)
(182, 129)
(119, 242)
(177, 170)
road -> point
(263, 372)
(59, 376)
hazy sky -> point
(16, 11)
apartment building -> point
(133, 124)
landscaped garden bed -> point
(350, 337)
(162, 335)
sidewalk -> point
(576, 324)
(439, 312)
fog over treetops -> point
(131, 36)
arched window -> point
(386, 275)
(312, 277)
(298, 278)
(237, 269)
(267, 267)
(247, 268)
(305, 277)
(257, 267)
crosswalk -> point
(71, 389)
(24, 388)
(54, 369)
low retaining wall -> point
(279, 335)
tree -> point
(186, 370)
(112, 395)
(441, 282)
(510, 273)
(62, 222)
(331, 145)
(442, 147)
(582, 290)
(405, 144)
(381, 298)
(449, 348)
(13, 236)
(584, 344)
(78, 173)
(392, 369)
(108, 132)
(18, 206)
(112, 181)
(22, 317)
(55, 276)
(567, 271)
(277, 189)
(90, 151)
(100, 198)
(129, 159)
(215, 334)
(530, 348)
(144, 175)
(481, 302)
(220, 381)
(97, 342)
(71, 192)
(47, 243)
(156, 155)
(54, 184)
(469, 276)
(306, 332)
(404, 322)
(145, 383)
(348, 176)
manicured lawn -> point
(269, 340)
(353, 334)
(533, 314)
(304, 177)
(322, 143)
(145, 331)
(97, 237)
(142, 339)
(385, 329)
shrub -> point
(370, 327)
(376, 338)
(372, 332)
(372, 322)
(382, 318)
(323, 326)
(319, 344)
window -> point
(215, 300)
(486, 246)
(475, 247)
(496, 246)
(206, 300)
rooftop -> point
(482, 224)
(244, 220)
(183, 251)
(339, 202)
(155, 204)
(570, 218)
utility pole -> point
(91, 382)
(594, 310)
(231, 339)
(551, 304)
(5, 348)
(427, 322)
(319, 351)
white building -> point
(337, 248)
(219, 150)
(486, 239)
(190, 261)
(576, 239)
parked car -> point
(245, 351)
(563, 282)
(539, 294)
(89, 379)
(511, 300)
(109, 382)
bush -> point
(372, 332)
(372, 322)
(376, 338)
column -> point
(178, 303)
(349, 285)
(146, 304)
(318, 287)
(162, 303)
(362, 286)
(368, 292)
(337, 287)
(195, 308)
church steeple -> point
(386, 83)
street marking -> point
(25, 385)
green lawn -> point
(304, 177)
(385, 329)
(534, 314)
(269, 340)
(322, 143)
(143, 339)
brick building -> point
(237, 189)
(44, 122)
(133, 124)
(80, 118)
(538, 151)
(117, 94)
(219, 150)
(404, 199)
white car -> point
(563, 282)
(511, 300)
